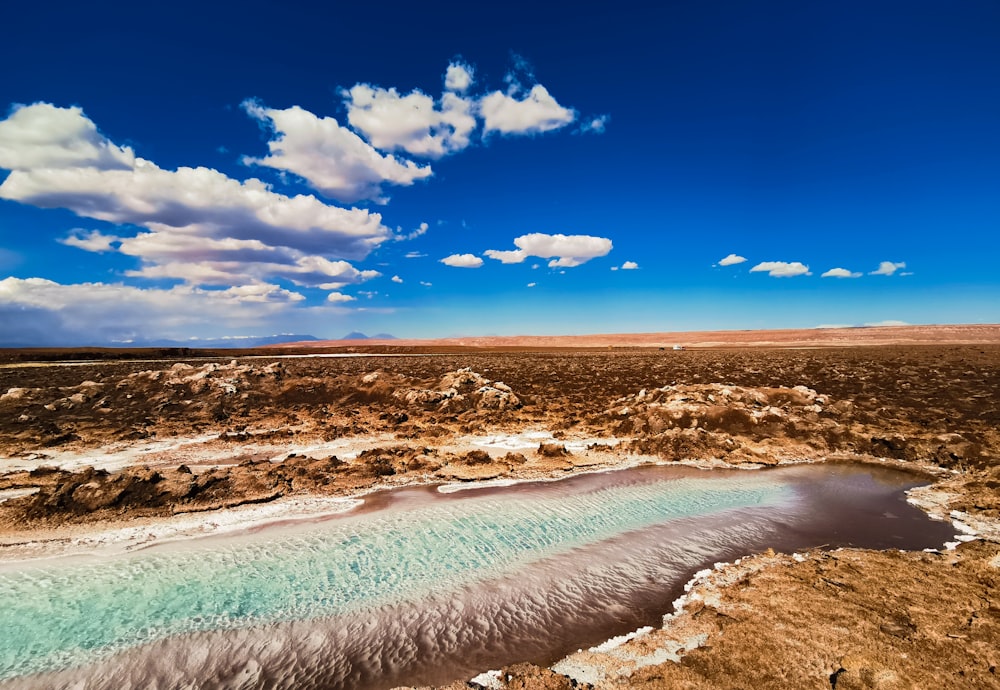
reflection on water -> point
(421, 587)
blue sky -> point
(194, 170)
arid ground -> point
(152, 438)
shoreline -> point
(123, 535)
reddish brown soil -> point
(961, 334)
(928, 404)
(848, 620)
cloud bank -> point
(38, 311)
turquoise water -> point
(72, 613)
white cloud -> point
(396, 279)
(425, 283)
(307, 271)
(458, 77)
(537, 112)
(568, 250)
(462, 261)
(415, 255)
(44, 136)
(782, 269)
(412, 235)
(511, 256)
(840, 273)
(595, 125)
(196, 201)
(203, 227)
(887, 268)
(630, 266)
(90, 240)
(532, 284)
(339, 297)
(40, 311)
(732, 260)
(412, 122)
(331, 158)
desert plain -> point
(111, 450)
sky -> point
(192, 170)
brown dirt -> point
(959, 334)
(844, 620)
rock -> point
(552, 450)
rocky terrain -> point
(120, 442)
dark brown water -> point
(422, 587)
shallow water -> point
(422, 587)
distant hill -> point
(357, 335)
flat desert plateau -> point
(109, 450)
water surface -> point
(423, 587)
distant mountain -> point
(357, 335)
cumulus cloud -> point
(630, 266)
(44, 136)
(396, 279)
(458, 77)
(307, 271)
(90, 240)
(202, 226)
(338, 297)
(532, 284)
(887, 268)
(411, 122)
(782, 269)
(537, 112)
(45, 311)
(462, 261)
(330, 158)
(840, 273)
(565, 250)
(732, 260)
